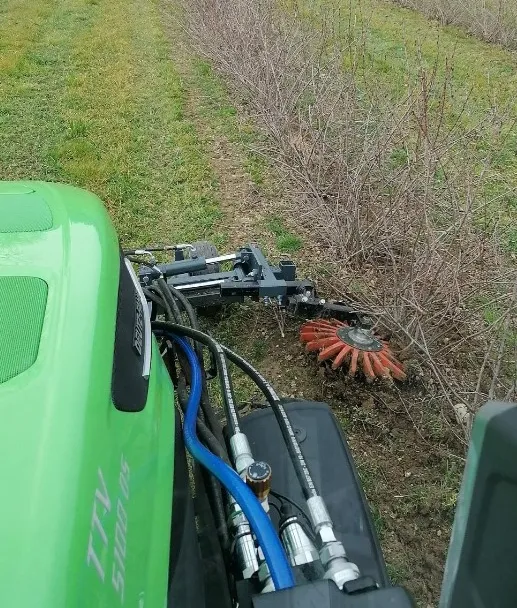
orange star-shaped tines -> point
(352, 346)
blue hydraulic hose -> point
(260, 523)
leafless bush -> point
(398, 221)
(492, 20)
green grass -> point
(223, 119)
(435, 499)
(248, 342)
(286, 241)
(89, 95)
(387, 47)
(398, 571)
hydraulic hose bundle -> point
(260, 522)
(220, 360)
(275, 565)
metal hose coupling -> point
(332, 553)
(244, 550)
(241, 452)
(298, 546)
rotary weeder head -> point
(352, 346)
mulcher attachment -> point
(351, 345)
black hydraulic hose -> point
(175, 315)
(295, 453)
(168, 310)
(150, 295)
(187, 306)
(215, 499)
(293, 447)
(216, 446)
(213, 489)
(230, 408)
(168, 299)
(206, 407)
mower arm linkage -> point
(251, 276)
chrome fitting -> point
(244, 549)
(246, 555)
(332, 553)
(340, 570)
(318, 513)
(241, 452)
(298, 546)
(337, 567)
(236, 516)
(326, 534)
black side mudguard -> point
(333, 471)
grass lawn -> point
(89, 95)
(389, 45)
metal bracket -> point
(251, 276)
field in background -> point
(88, 95)
(492, 20)
(389, 48)
(107, 95)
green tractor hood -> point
(87, 478)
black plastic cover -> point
(128, 386)
(325, 594)
(482, 561)
(333, 471)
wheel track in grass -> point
(243, 202)
(88, 96)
